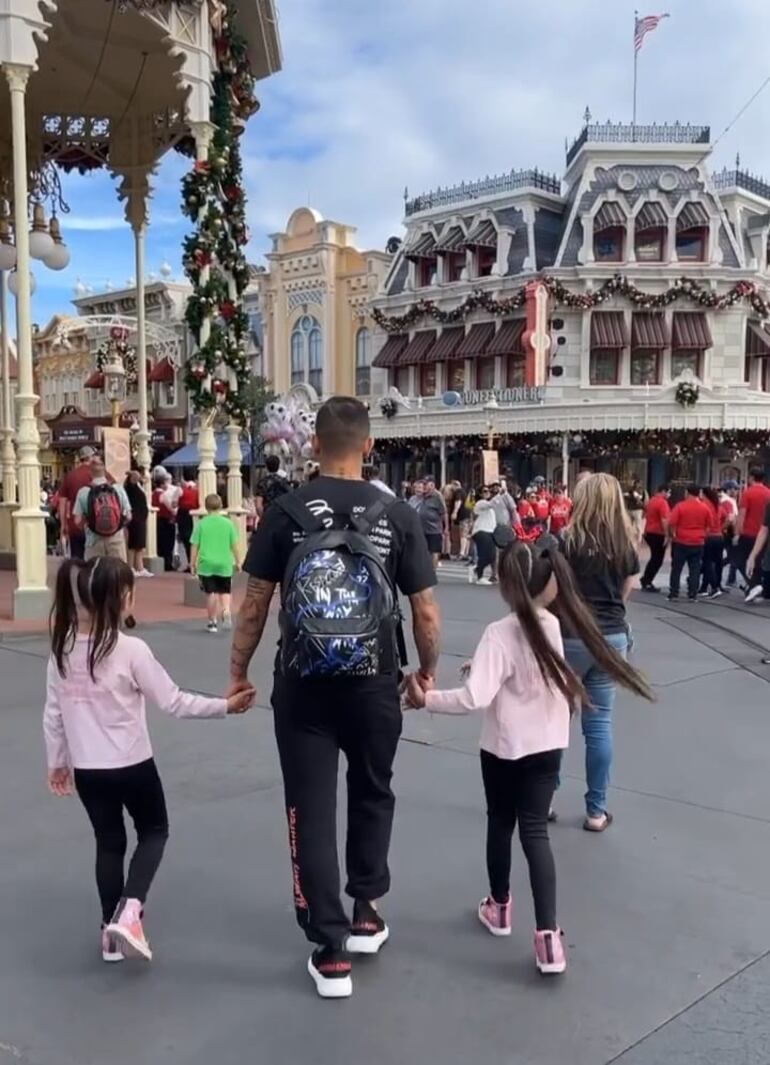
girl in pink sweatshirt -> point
(519, 677)
(96, 735)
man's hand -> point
(238, 702)
(415, 692)
(238, 686)
(60, 782)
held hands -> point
(60, 782)
(240, 699)
(417, 684)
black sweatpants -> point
(743, 549)
(314, 721)
(486, 553)
(657, 545)
(104, 793)
(693, 556)
(711, 576)
(522, 791)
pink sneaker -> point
(126, 928)
(111, 951)
(496, 916)
(549, 952)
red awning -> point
(446, 346)
(484, 235)
(390, 351)
(608, 330)
(507, 340)
(610, 216)
(692, 216)
(476, 341)
(649, 331)
(162, 373)
(96, 380)
(418, 349)
(651, 216)
(691, 330)
(423, 248)
(452, 240)
(757, 341)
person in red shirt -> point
(711, 582)
(166, 518)
(561, 508)
(73, 537)
(751, 512)
(188, 503)
(656, 516)
(688, 524)
(531, 526)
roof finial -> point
(406, 193)
(587, 116)
(737, 160)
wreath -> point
(687, 394)
(388, 408)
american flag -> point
(644, 26)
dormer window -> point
(692, 231)
(451, 247)
(482, 240)
(423, 254)
(650, 233)
(610, 233)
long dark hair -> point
(97, 588)
(712, 496)
(525, 571)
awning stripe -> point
(507, 340)
(424, 248)
(691, 216)
(691, 331)
(610, 215)
(649, 331)
(651, 216)
(96, 380)
(453, 240)
(162, 373)
(475, 343)
(418, 348)
(757, 341)
(483, 236)
(446, 346)
(390, 351)
(608, 330)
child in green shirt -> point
(214, 557)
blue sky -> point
(375, 97)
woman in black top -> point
(599, 545)
(137, 527)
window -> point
(485, 372)
(684, 360)
(485, 260)
(645, 367)
(604, 366)
(315, 377)
(428, 379)
(168, 394)
(515, 371)
(650, 245)
(455, 375)
(363, 362)
(454, 264)
(691, 245)
(609, 245)
(403, 381)
(307, 353)
(297, 357)
(426, 270)
(765, 375)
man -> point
(370, 475)
(560, 510)
(751, 511)
(688, 527)
(102, 510)
(636, 499)
(271, 486)
(72, 534)
(656, 517)
(361, 715)
(432, 512)
(728, 511)
(418, 491)
(759, 561)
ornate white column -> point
(207, 445)
(8, 451)
(143, 453)
(31, 598)
(235, 485)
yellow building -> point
(314, 299)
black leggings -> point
(711, 576)
(104, 793)
(485, 552)
(521, 791)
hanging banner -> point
(117, 452)
(491, 466)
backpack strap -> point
(365, 522)
(299, 513)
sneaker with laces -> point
(211, 626)
(496, 917)
(126, 928)
(549, 952)
(753, 594)
(111, 951)
(368, 932)
(331, 972)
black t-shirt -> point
(601, 585)
(398, 537)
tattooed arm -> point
(426, 625)
(249, 629)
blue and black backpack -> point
(339, 608)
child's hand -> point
(414, 693)
(60, 782)
(239, 702)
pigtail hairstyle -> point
(63, 619)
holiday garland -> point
(217, 373)
(683, 288)
(126, 353)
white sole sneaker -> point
(367, 944)
(336, 987)
(490, 927)
(122, 935)
(754, 594)
(112, 954)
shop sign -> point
(524, 394)
(73, 434)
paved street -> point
(667, 915)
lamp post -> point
(115, 385)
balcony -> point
(625, 133)
(742, 179)
(468, 191)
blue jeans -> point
(597, 721)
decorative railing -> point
(488, 186)
(626, 133)
(730, 179)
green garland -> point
(217, 373)
(683, 288)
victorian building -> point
(656, 271)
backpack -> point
(339, 614)
(104, 513)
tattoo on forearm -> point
(427, 631)
(250, 626)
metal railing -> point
(488, 186)
(626, 133)
(729, 179)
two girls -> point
(519, 676)
(97, 741)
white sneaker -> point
(227, 620)
(753, 594)
(484, 580)
(211, 626)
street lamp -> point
(115, 385)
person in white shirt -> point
(484, 525)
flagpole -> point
(636, 61)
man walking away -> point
(656, 518)
(433, 516)
(339, 548)
(103, 510)
(271, 486)
(751, 511)
(73, 535)
(688, 527)
(759, 561)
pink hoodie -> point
(102, 724)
